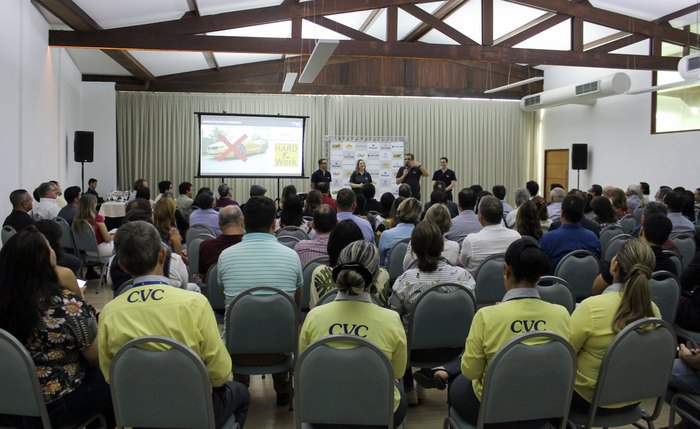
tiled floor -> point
(264, 413)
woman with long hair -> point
(599, 318)
(87, 212)
(527, 221)
(439, 214)
(312, 202)
(58, 328)
(604, 212)
(360, 176)
(408, 215)
(357, 268)
(166, 224)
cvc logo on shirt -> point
(519, 326)
(144, 295)
(348, 329)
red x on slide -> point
(232, 147)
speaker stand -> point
(82, 174)
(578, 179)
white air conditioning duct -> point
(584, 93)
(689, 67)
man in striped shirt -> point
(325, 220)
(259, 260)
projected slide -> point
(250, 146)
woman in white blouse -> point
(440, 215)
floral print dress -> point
(66, 326)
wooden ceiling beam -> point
(371, 18)
(437, 24)
(530, 29)
(615, 20)
(618, 44)
(73, 16)
(678, 14)
(342, 29)
(444, 11)
(487, 22)
(359, 48)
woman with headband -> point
(357, 268)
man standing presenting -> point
(410, 174)
(446, 176)
(322, 174)
(148, 309)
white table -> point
(113, 209)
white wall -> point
(617, 129)
(41, 107)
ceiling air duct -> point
(584, 93)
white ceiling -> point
(507, 17)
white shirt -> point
(450, 253)
(554, 211)
(46, 208)
(512, 217)
(492, 240)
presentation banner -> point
(383, 157)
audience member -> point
(357, 269)
(408, 215)
(492, 240)
(521, 195)
(604, 212)
(225, 196)
(205, 214)
(541, 204)
(292, 214)
(596, 191)
(645, 191)
(681, 226)
(312, 202)
(164, 187)
(139, 184)
(685, 378)
(325, 220)
(466, 222)
(133, 315)
(619, 202)
(59, 330)
(143, 192)
(405, 190)
(325, 193)
(385, 203)
(661, 193)
(570, 235)
(527, 221)
(92, 190)
(142, 205)
(554, 208)
(164, 221)
(532, 187)
(184, 199)
(87, 212)
(439, 215)
(439, 196)
(257, 191)
(597, 320)
(587, 223)
(633, 200)
(231, 225)
(53, 233)
(72, 196)
(46, 208)
(371, 204)
(59, 194)
(345, 204)
(499, 191)
(22, 204)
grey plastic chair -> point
(193, 254)
(692, 403)
(439, 320)
(606, 234)
(86, 243)
(628, 223)
(199, 230)
(291, 235)
(665, 291)
(557, 291)
(20, 391)
(579, 269)
(67, 240)
(215, 292)
(676, 261)
(526, 381)
(614, 246)
(394, 260)
(7, 232)
(159, 382)
(686, 244)
(262, 320)
(652, 352)
(348, 386)
(489, 281)
(307, 274)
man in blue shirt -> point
(570, 235)
(345, 203)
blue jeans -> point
(684, 379)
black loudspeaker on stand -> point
(83, 151)
(579, 160)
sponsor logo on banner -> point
(349, 146)
(335, 164)
(386, 164)
(373, 146)
(398, 155)
(337, 173)
(335, 146)
(348, 155)
(386, 155)
(384, 174)
(397, 164)
(361, 155)
(397, 146)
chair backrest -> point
(608, 233)
(440, 319)
(489, 287)
(652, 344)
(665, 291)
(257, 323)
(7, 232)
(215, 292)
(686, 244)
(292, 231)
(20, 392)
(164, 385)
(199, 230)
(67, 241)
(394, 260)
(85, 241)
(331, 294)
(628, 223)
(579, 268)
(557, 291)
(544, 365)
(193, 254)
(614, 246)
(288, 240)
(307, 275)
(360, 378)
(676, 261)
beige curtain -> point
(487, 142)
